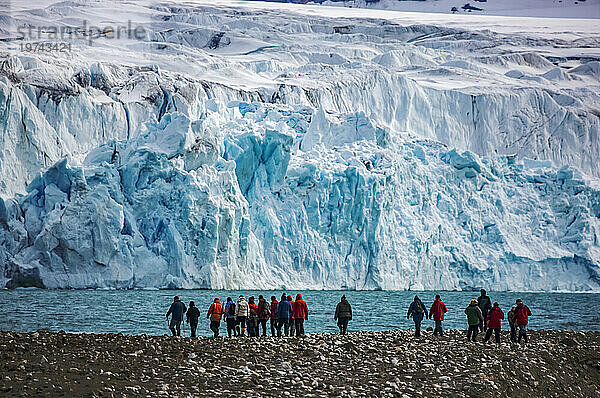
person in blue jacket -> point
(284, 310)
(418, 311)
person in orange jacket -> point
(215, 312)
(437, 311)
(300, 313)
(291, 321)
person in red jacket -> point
(494, 318)
(252, 317)
(437, 311)
(522, 314)
(300, 313)
(264, 313)
(291, 321)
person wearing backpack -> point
(494, 319)
(300, 314)
(274, 304)
(438, 309)
(215, 312)
(474, 319)
(522, 314)
(230, 317)
(241, 315)
(264, 313)
(252, 317)
(417, 310)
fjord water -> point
(143, 311)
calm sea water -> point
(139, 312)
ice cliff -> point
(320, 153)
(357, 207)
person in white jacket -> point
(241, 314)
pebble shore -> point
(361, 364)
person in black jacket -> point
(485, 305)
(177, 310)
(418, 311)
(192, 315)
(343, 314)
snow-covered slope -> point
(513, 8)
(252, 145)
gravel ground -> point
(361, 364)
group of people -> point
(481, 316)
(286, 317)
(286, 314)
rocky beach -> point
(361, 364)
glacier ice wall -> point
(131, 218)
(360, 207)
(486, 92)
(43, 123)
(259, 149)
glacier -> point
(515, 8)
(319, 153)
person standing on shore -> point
(343, 314)
(474, 318)
(292, 323)
(494, 319)
(437, 311)
(418, 311)
(252, 317)
(512, 323)
(485, 305)
(241, 315)
(274, 305)
(215, 312)
(522, 314)
(284, 310)
(176, 311)
(300, 314)
(230, 317)
(192, 315)
(264, 313)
